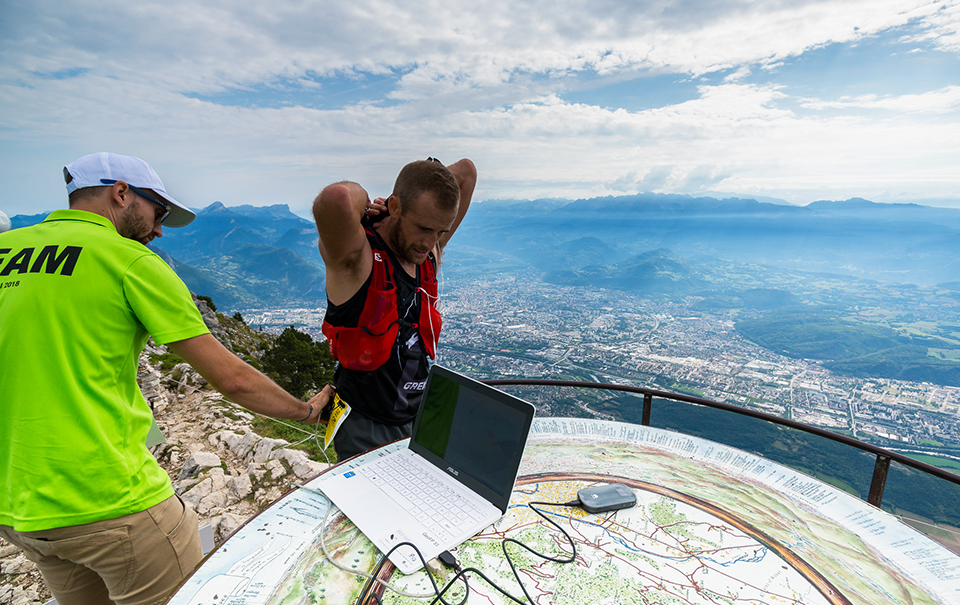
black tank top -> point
(391, 393)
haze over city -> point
(265, 104)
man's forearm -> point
(242, 383)
(465, 173)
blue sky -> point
(265, 103)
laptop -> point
(455, 478)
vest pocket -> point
(361, 349)
(368, 346)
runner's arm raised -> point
(343, 245)
(466, 174)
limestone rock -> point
(24, 596)
(299, 462)
(241, 445)
(256, 472)
(240, 486)
(189, 378)
(197, 462)
(276, 468)
(149, 379)
(179, 487)
(226, 524)
(17, 565)
(264, 447)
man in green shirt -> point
(79, 295)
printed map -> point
(712, 525)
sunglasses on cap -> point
(145, 195)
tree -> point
(298, 364)
(209, 302)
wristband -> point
(309, 414)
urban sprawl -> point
(507, 326)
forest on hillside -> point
(855, 349)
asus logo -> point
(453, 471)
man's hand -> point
(376, 207)
(320, 401)
(376, 211)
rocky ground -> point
(217, 464)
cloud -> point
(268, 102)
(702, 177)
(945, 100)
(942, 27)
(654, 180)
(207, 47)
(739, 75)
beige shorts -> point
(137, 559)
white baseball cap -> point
(103, 168)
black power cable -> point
(461, 574)
(451, 562)
(569, 559)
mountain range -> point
(246, 256)
(904, 243)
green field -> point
(947, 464)
(858, 348)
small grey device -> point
(600, 498)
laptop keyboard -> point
(439, 508)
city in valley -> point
(516, 326)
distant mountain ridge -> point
(244, 256)
(219, 229)
(657, 271)
(670, 244)
(885, 242)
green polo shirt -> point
(77, 303)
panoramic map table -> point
(712, 525)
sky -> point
(267, 102)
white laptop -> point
(464, 455)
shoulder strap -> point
(382, 270)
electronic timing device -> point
(600, 498)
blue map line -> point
(757, 557)
(614, 536)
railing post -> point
(647, 406)
(879, 480)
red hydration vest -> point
(368, 346)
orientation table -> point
(712, 525)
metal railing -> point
(883, 456)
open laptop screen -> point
(478, 433)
